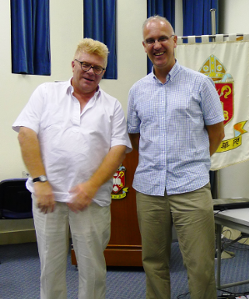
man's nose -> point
(157, 44)
(91, 70)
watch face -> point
(43, 178)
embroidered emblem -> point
(119, 190)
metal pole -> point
(213, 22)
(215, 189)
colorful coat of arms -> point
(119, 190)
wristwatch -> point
(41, 178)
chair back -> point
(15, 199)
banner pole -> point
(215, 173)
(213, 23)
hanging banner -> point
(227, 63)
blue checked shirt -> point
(171, 118)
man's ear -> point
(144, 45)
(175, 41)
(72, 64)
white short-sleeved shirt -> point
(73, 143)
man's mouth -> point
(159, 54)
(88, 79)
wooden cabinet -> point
(124, 248)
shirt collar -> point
(70, 88)
(173, 72)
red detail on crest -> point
(118, 181)
(226, 92)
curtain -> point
(197, 17)
(164, 8)
(100, 24)
(30, 37)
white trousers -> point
(90, 231)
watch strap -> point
(41, 178)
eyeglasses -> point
(161, 39)
(86, 67)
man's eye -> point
(98, 68)
(150, 41)
(86, 65)
(163, 39)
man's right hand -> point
(44, 197)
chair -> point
(15, 199)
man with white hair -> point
(73, 137)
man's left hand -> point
(82, 195)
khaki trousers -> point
(192, 215)
(90, 231)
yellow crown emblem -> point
(213, 68)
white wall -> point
(66, 22)
(178, 18)
(234, 18)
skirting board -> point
(17, 231)
(18, 237)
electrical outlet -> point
(25, 174)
